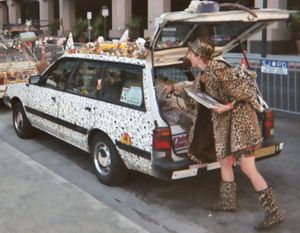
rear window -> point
(177, 35)
(123, 85)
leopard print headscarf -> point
(203, 48)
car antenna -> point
(245, 59)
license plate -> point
(180, 141)
(265, 151)
(184, 173)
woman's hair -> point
(203, 47)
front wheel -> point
(107, 162)
(22, 125)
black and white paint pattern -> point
(112, 119)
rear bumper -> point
(167, 168)
(269, 148)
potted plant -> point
(54, 27)
(294, 27)
(98, 27)
(135, 26)
(80, 30)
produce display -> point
(16, 63)
(16, 74)
(119, 48)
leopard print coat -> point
(236, 130)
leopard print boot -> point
(272, 213)
(227, 201)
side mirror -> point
(34, 79)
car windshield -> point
(176, 35)
(14, 52)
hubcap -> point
(19, 120)
(102, 158)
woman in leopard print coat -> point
(235, 127)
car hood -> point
(226, 28)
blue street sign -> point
(274, 67)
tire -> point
(108, 165)
(21, 123)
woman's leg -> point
(227, 174)
(227, 199)
(266, 196)
(248, 167)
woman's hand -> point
(223, 108)
(167, 89)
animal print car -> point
(111, 106)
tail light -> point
(162, 140)
(1, 81)
(268, 123)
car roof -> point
(108, 58)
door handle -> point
(53, 98)
(88, 109)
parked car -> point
(17, 63)
(109, 106)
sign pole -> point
(89, 17)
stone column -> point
(67, 14)
(14, 11)
(121, 14)
(46, 15)
(155, 9)
(277, 33)
(3, 14)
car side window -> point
(123, 84)
(58, 76)
(85, 79)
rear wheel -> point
(107, 162)
(22, 125)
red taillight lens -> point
(1, 81)
(268, 123)
(161, 139)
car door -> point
(77, 108)
(42, 104)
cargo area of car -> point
(179, 110)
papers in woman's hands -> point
(202, 98)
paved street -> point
(34, 199)
(144, 202)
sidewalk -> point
(33, 199)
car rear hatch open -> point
(226, 28)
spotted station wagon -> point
(111, 105)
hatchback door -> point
(227, 29)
